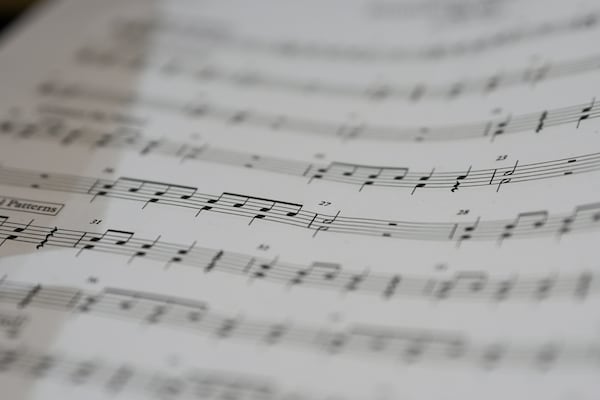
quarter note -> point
(29, 296)
(181, 253)
(501, 127)
(392, 286)
(355, 281)
(540, 125)
(467, 231)
(585, 112)
(459, 179)
(423, 181)
(544, 287)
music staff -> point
(131, 31)
(115, 379)
(380, 91)
(584, 217)
(401, 344)
(575, 115)
(359, 175)
(470, 286)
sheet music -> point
(357, 199)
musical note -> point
(541, 122)
(423, 181)
(585, 112)
(311, 50)
(328, 271)
(525, 221)
(569, 115)
(505, 174)
(347, 173)
(460, 178)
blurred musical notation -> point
(585, 217)
(191, 35)
(348, 173)
(409, 345)
(469, 286)
(378, 91)
(573, 116)
(319, 193)
(127, 378)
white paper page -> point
(300, 200)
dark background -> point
(11, 9)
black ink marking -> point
(48, 236)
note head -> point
(185, 196)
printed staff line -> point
(359, 340)
(114, 378)
(525, 224)
(131, 31)
(356, 174)
(380, 91)
(475, 285)
(533, 122)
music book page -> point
(338, 199)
